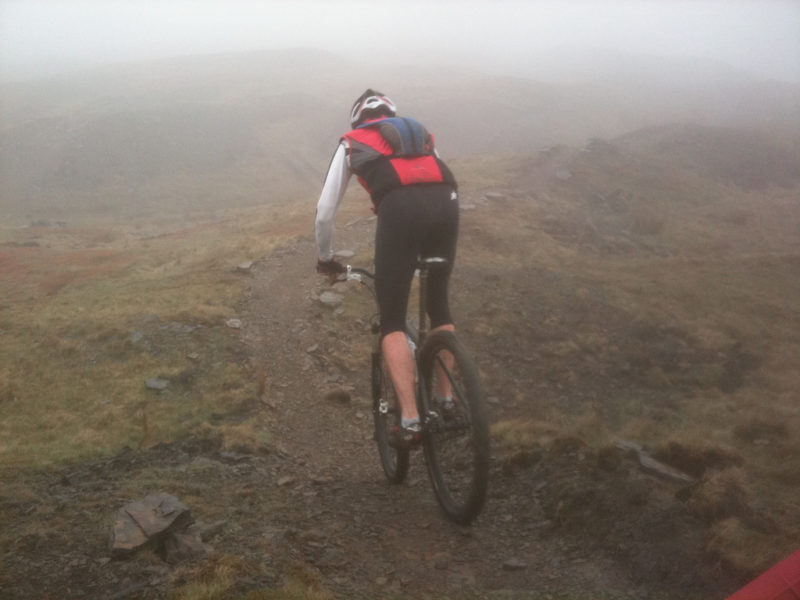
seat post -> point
(424, 266)
(423, 309)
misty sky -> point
(44, 36)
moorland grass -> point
(77, 350)
(702, 295)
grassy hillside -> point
(647, 283)
(644, 289)
(89, 314)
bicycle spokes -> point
(456, 440)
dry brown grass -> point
(698, 456)
(215, 579)
(743, 547)
(211, 580)
(699, 302)
(72, 368)
(517, 434)
(245, 437)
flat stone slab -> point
(147, 521)
(651, 466)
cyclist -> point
(415, 197)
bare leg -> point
(397, 355)
(400, 362)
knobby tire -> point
(457, 447)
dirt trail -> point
(365, 537)
(318, 501)
(561, 521)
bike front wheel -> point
(386, 416)
(456, 431)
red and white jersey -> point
(384, 154)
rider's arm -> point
(332, 192)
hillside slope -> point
(635, 289)
(186, 138)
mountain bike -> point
(455, 431)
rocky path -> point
(362, 536)
(564, 524)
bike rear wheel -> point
(456, 440)
(386, 415)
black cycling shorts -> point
(415, 221)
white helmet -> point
(371, 102)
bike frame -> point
(461, 499)
(423, 268)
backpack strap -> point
(406, 136)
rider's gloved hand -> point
(330, 267)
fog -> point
(45, 37)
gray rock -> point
(331, 299)
(514, 564)
(156, 383)
(147, 522)
(286, 480)
(245, 267)
(651, 466)
(178, 328)
(234, 323)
